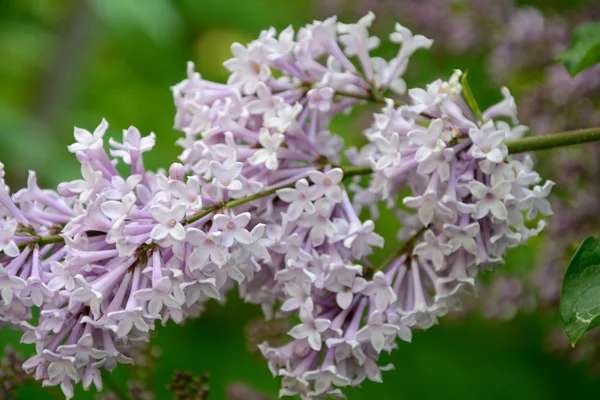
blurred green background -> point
(68, 63)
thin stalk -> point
(561, 139)
(533, 143)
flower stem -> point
(533, 143)
(348, 171)
(43, 240)
(553, 140)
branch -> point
(533, 143)
(561, 139)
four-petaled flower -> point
(311, 328)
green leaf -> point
(468, 93)
(580, 298)
(585, 49)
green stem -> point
(43, 240)
(348, 171)
(561, 139)
(374, 98)
(533, 143)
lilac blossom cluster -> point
(518, 44)
(259, 201)
(470, 196)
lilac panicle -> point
(258, 201)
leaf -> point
(580, 297)
(468, 93)
(585, 49)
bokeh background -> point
(66, 63)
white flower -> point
(391, 155)
(328, 183)
(60, 367)
(61, 277)
(505, 108)
(540, 202)
(296, 297)
(249, 66)
(158, 296)
(429, 140)
(431, 248)
(169, 222)
(324, 378)
(207, 247)
(91, 184)
(320, 98)
(202, 288)
(7, 244)
(116, 211)
(462, 236)
(410, 43)
(361, 238)
(9, 284)
(86, 294)
(128, 319)
(319, 222)
(301, 199)
(283, 117)
(310, 328)
(133, 142)
(488, 143)
(427, 207)
(268, 154)
(225, 175)
(381, 289)
(438, 161)
(187, 193)
(345, 294)
(86, 140)
(490, 199)
(376, 331)
(355, 37)
(81, 351)
(232, 229)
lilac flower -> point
(311, 328)
(491, 200)
(327, 183)
(320, 99)
(431, 248)
(107, 256)
(428, 141)
(268, 154)
(319, 223)
(88, 141)
(207, 248)
(232, 229)
(169, 222)
(301, 199)
(225, 175)
(7, 244)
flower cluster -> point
(260, 201)
(106, 256)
